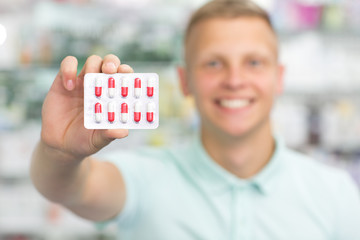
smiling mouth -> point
(234, 103)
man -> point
(235, 181)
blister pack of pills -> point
(121, 101)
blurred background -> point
(318, 114)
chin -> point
(236, 134)
(238, 130)
(228, 132)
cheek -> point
(267, 88)
(203, 83)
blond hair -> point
(227, 9)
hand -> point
(63, 110)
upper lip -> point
(235, 98)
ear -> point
(183, 78)
(280, 80)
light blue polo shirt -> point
(180, 194)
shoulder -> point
(306, 165)
(318, 176)
(327, 193)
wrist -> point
(59, 154)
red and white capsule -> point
(111, 112)
(150, 112)
(124, 87)
(137, 112)
(98, 112)
(124, 113)
(111, 87)
(137, 87)
(150, 87)
(98, 87)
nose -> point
(234, 78)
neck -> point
(243, 156)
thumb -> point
(101, 138)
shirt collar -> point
(268, 178)
(217, 178)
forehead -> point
(242, 34)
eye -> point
(213, 64)
(254, 63)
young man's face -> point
(233, 73)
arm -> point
(62, 168)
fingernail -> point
(111, 66)
(70, 85)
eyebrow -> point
(247, 53)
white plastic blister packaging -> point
(121, 101)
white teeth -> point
(236, 103)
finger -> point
(110, 64)
(92, 65)
(101, 138)
(68, 70)
(124, 68)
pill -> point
(124, 87)
(98, 112)
(137, 112)
(98, 87)
(121, 101)
(111, 87)
(150, 112)
(137, 90)
(111, 111)
(150, 87)
(124, 112)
